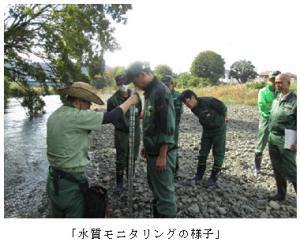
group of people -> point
(277, 107)
(69, 126)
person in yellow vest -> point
(67, 146)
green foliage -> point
(110, 74)
(182, 80)
(33, 103)
(185, 80)
(210, 65)
(293, 87)
(161, 71)
(17, 90)
(243, 71)
(65, 39)
(6, 91)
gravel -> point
(237, 192)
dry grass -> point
(230, 93)
(245, 94)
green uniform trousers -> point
(217, 142)
(69, 202)
(162, 185)
(176, 138)
(283, 160)
(122, 149)
(262, 136)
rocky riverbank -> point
(238, 194)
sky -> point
(174, 32)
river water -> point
(25, 160)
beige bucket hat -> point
(83, 91)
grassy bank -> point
(17, 90)
(245, 94)
(230, 94)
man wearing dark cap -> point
(169, 82)
(266, 96)
(122, 130)
(158, 136)
(212, 114)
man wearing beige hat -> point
(67, 145)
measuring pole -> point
(131, 160)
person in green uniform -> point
(283, 116)
(158, 138)
(122, 130)
(266, 96)
(170, 83)
(67, 146)
(212, 114)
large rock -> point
(194, 209)
(274, 205)
(222, 210)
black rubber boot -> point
(177, 167)
(281, 189)
(214, 176)
(200, 172)
(257, 164)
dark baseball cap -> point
(120, 80)
(135, 69)
(273, 74)
(167, 79)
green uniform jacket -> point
(122, 127)
(211, 114)
(159, 118)
(264, 102)
(283, 114)
(67, 137)
(178, 107)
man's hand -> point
(141, 115)
(134, 99)
(161, 163)
(294, 147)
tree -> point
(110, 74)
(6, 91)
(182, 79)
(243, 71)
(186, 79)
(210, 65)
(161, 71)
(65, 39)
